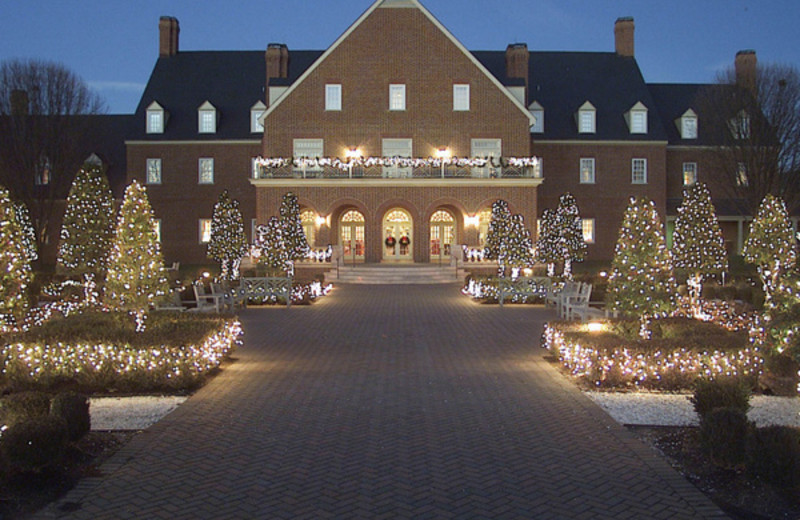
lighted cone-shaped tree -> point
(518, 250)
(547, 242)
(15, 269)
(28, 232)
(697, 243)
(641, 282)
(272, 247)
(87, 229)
(571, 247)
(771, 245)
(497, 237)
(293, 235)
(136, 277)
(228, 243)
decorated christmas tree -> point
(518, 250)
(228, 243)
(293, 234)
(571, 246)
(547, 250)
(497, 237)
(771, 245)
(15, 269)
(271, 244)
(136, 278)
(697, 243)
(88, 224)
(641, 281)
(28, 232)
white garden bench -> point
(523, 287)
(268, 286)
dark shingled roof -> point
(105, 137)
(672, 101)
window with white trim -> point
(587, 170)
(256, 111)
(153, 171)
(637, 118)
(155, 119)
(689, 173)
(587, 121)
(741, 176)
(460, 97)
(689, 125)
(308, 149)
(206, 119)
(204, 227)
(740, 126)
(43, 172)
(157, 228)
(587, 225)
(638, 171)
(333, 97)
(397, 97)
(537, 111)
(205, 170)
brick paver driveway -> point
(388, 402)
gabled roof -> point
(401, 4)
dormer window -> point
(587, 119)
(156, 119)
(256, 111)
(207, 119)
(636, 118)
(740, 125)
(688, 125)
(537, 111)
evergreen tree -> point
(28, 232)
(228, 243)
(571, 246)
(547, 242)
(293, 235)
(272, 245)
(641, 281)
(771, 245)
(497, 237)
(519, 248)
(15, 269)
(86, 232)
(698, 246)
(136, 277)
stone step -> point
(395, 275)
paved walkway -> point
(388, 402)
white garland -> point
(402, 162)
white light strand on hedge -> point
(402, 162)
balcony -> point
(395, 170)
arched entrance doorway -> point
(397, 235)
(309, 221)
(351, 235)
(443, 235)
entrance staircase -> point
(396, 274)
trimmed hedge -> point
(725, 392)
(34, 444)
(74, 409)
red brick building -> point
(368, 120)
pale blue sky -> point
(113, 44)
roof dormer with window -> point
(587, 119)
(537, 111)
(740, 126)
(156, 118)
(207, 119)
(636, 118)
(256, 112)
(687, 125)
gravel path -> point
(130, 413)
(675, 410)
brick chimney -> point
(745, 66)
(623, 36)
(277, 57)
(168, 29)
(517, 61)
(19, 103)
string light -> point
(228, 242)
(401, 162)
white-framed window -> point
(538, 117)
(156, 117)
(689, 125)
(587, 224)
(308, 149)
(333, 97)
(741, 176)
(397, 147)
(740, 126)
(638, 171)
(637, 118)
(204, 230)
(44, 172)
(689, 173)
(461, 97)
(256, 111)
(587, 170)
(157, 228)
(587, 122)
(207, 119)
(491, 149)
(153, 171)
(397, 97)
(205, 170)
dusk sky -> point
(113, 44)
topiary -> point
(773, 454)
(23, 405)
(724, 392)
(74, 409)
(34, 444)
(723, 436)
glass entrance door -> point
(397, 236)
(351, 236)
(443, 236)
